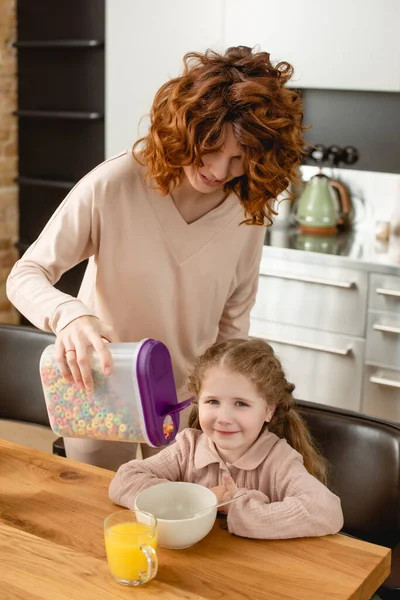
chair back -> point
(21, 393)
(364, 457)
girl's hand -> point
(74, 344)
(219, 491)
(225, 492)
(231, 489)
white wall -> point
(145, 44)
(340, 44)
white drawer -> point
(325, 367)
(381, 396)
(314, 296)
(384, 292)
(383, 339)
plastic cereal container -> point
(137, 403)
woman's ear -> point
(270, 413)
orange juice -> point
(123, 541)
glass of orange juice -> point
(131, 542)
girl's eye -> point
(212, 401)
(239, 403)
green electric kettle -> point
(323, 206)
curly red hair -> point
(243, 89)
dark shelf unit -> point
(60, 48)
(65, 185)
(59, 44)
(59, 114)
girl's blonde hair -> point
(242, 88)
(256, 360)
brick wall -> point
(8, 154)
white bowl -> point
(172, 504)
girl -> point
(245, 435)
(173, 229)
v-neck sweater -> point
(150, 274)
(282, 499)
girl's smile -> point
(231, 412)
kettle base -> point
(318, 230)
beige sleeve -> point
(304, 507)
(66, 240)
(168, 465)
(235, 320)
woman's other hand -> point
(74, 344)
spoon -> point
(217, 505)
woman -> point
(173, 230)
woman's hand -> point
(73, 346)
(225, 492)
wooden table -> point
(51, 547)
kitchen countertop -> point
(352, 249)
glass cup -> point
(131, 540)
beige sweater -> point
(150, 273)
(283, 499)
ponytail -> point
(287, 423)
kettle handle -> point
(344, 196)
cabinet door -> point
(384, 292)
(383, 339)
(341, 45)
(382, 393)
(315, 296)
(324, 367)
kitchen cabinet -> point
(60, 52)
(341, 45)
(382, 374)
(325, 367)
(314, 318)
(335, 327)
(333, 300)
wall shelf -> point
(59, 114)
(59, 44)
(22, 246)
(34, 181)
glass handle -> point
(152, 564)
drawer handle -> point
(341, 351)
(387, 328)
(340, 284)
(395, 293)
(383, 381)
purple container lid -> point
(157, 389)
